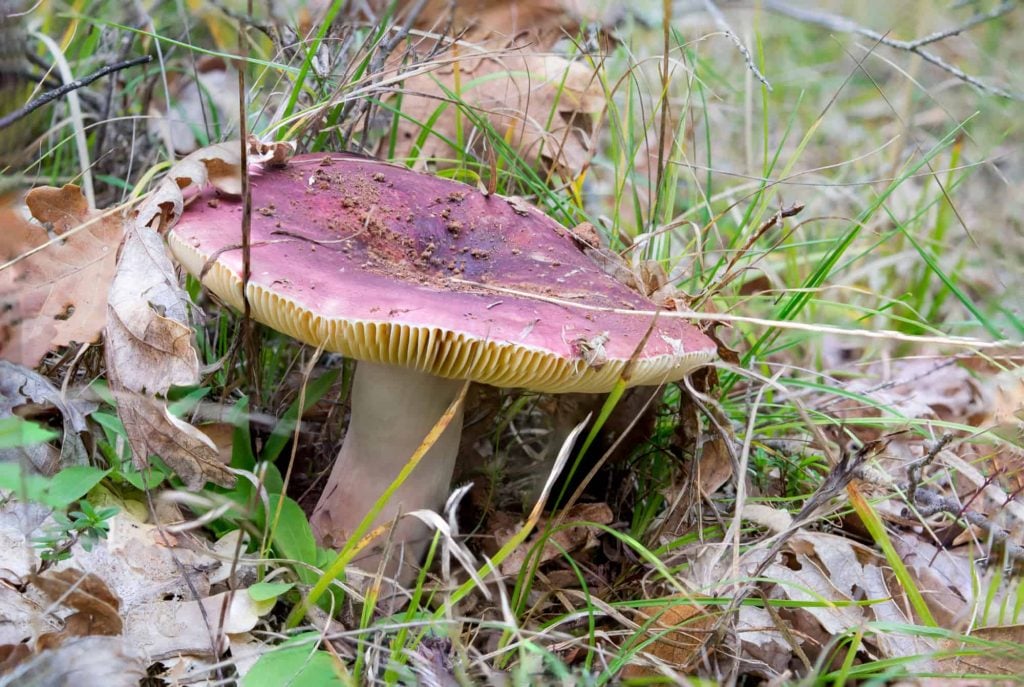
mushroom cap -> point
(383, 264)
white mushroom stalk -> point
(393, 410)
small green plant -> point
(85, 526)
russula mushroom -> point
(426, 282)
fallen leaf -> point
(544, 106)
(24, 618)
(136, 570)
(55, 296)
(11, 655)
(245, 651)
(763, 649)
(914, 389)
(204, 101)
(140, 562)
(107, 661)
(149, 343)
(581, 535)
(1005, 412)
(804, 581)
(186, 450)
(163, 629)
(879, 583)
(222, 434)
(96, 607)
(219, 164)
(715, 467)
(29, 394)
(948, 580)
(1004, 656)
(681, 631)
(822, 577)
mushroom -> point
(426, 282)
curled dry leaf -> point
(272, 153)
(55, 296)
(29, 394)
(152, 429)
(219, 164)
(97, 609)
(149, 343)
(545, 106)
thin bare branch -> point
(841, 24)
(50, 96)
(716, 14)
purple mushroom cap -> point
(391, 266)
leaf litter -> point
(128, 587)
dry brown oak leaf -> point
(57, 295)
(544, 106)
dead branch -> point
(716, 14)
(50, 96)
(929, 502)
(838, 23)
(914, 473)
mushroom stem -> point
(393, 409)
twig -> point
(50, 96)
(979, 18)
(782, 213)
(914, 473)
(929, 502)
(716, 14)
(835, 22)
(106, 125)
(383, 52)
